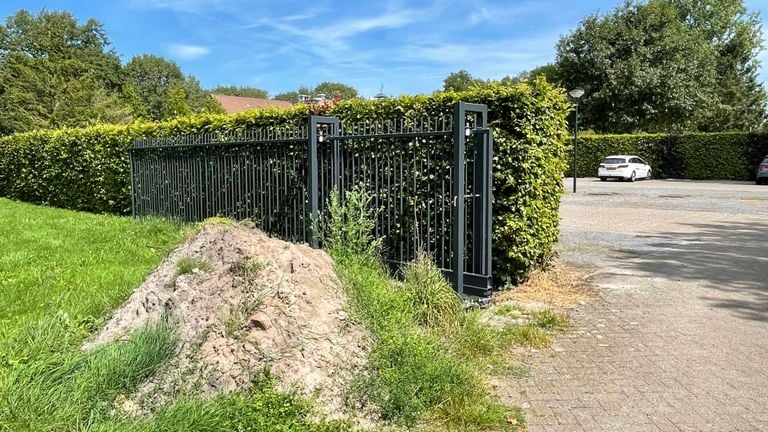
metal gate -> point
(430, 177)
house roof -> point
(233, 104)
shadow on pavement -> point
(731, 257)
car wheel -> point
(603, 179)
(633, 176)
(648, 177)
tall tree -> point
(460, 81)
(327, 88)
(251, 92)
(330, 88)
(52, 71)
(666, 65)
(151, 77)
(149, 82)
(294, 95)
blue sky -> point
(404, 46)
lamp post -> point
(576, 93)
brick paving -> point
(678, 337)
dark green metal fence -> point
(430, 178)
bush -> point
(701, 156)
(88, 169)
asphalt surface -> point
(678, 337)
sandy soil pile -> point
(247, 302)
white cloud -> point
(188, 52)
(506, 14)
(499, 57)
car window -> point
(614, 160)
(634, 160)
(640, 161)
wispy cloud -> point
(505, 14)
(500, 57)
(187, 52)
(193, 6)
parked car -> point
(762, 172)
(623, 167)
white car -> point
(623, 167)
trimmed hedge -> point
(701, 156)
(88, 169)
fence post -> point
(314, 200)
(457, 191)
(481, 189)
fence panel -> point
(429, 178)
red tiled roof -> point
(233, 104)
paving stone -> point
(677, 339)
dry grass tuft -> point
(560, 286)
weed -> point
(433, 300)
(249, 269)
(549, 320)
(528, 335)
(422, 365)
(237, 313)
(507, 309)
(349, 226)
(187, 265)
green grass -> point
(431, 357)
(428, 365)
(70, 391)
(187, 265)
(65, 271)
(78, 264)
(61, 273)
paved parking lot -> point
(678, 337)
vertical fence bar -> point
(479, 189)
(457, 192)
(488, 204)
(133, 183)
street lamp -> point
(576, 93)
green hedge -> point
(88, 169)
(702, 156)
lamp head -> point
(576, 93)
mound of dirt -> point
(244, 303)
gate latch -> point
(455, 199)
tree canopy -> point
(327, 88)
(231, 90)
(53, 71)
(159, 90)
(666, 65)
(460, 81)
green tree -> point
(330, 88)
(151, 77)
(293, 96)
(176, 103)
(52, 70)
(666, 65)
(199, 100)
(460, 81)
(231, 90)
(149, 82)
(327, 88)
(109, 107)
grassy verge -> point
(431, 359)
(79, 264)
(61, 273)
